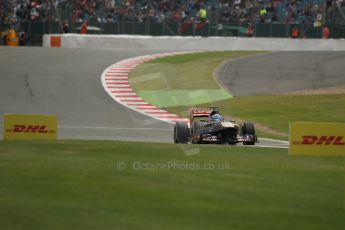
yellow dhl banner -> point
(317, 139)
(30, 127)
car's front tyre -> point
(248, 129)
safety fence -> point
(35, 30)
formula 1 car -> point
(203, 129)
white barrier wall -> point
(129, 42)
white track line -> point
(266, 146)
(273, 140)
(111, 128)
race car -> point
(207, 126)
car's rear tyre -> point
(196, 129)
(248, 129)
(181, 133)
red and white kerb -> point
(116, 84)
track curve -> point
(66, 82)
(282, 72)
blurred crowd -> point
(13, 11)
(216, 11)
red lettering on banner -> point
(338, 141)
(30, 129)
(18, 128)
(309, 140)
(322, 140)
(325, 140)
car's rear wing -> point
(200, 113)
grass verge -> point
(181, 72)
(171, 98)
(276, 111)
(76, 185)
(271, 114)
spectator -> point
(250, 30)
(325, 32)
(263, 14)
(294, 32)
(22, 38)
(65, 27)
(202, 14)
(226, 11)
(83, 29)
(34, 15)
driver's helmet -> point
(216, 118)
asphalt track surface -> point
(282, 72)
(66, 83)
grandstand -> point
(159, 10)
(272, 18)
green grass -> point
(181, 72)
(277, 111)
(194, 72)
(76, 185)
(218, 55)
(171, 98)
